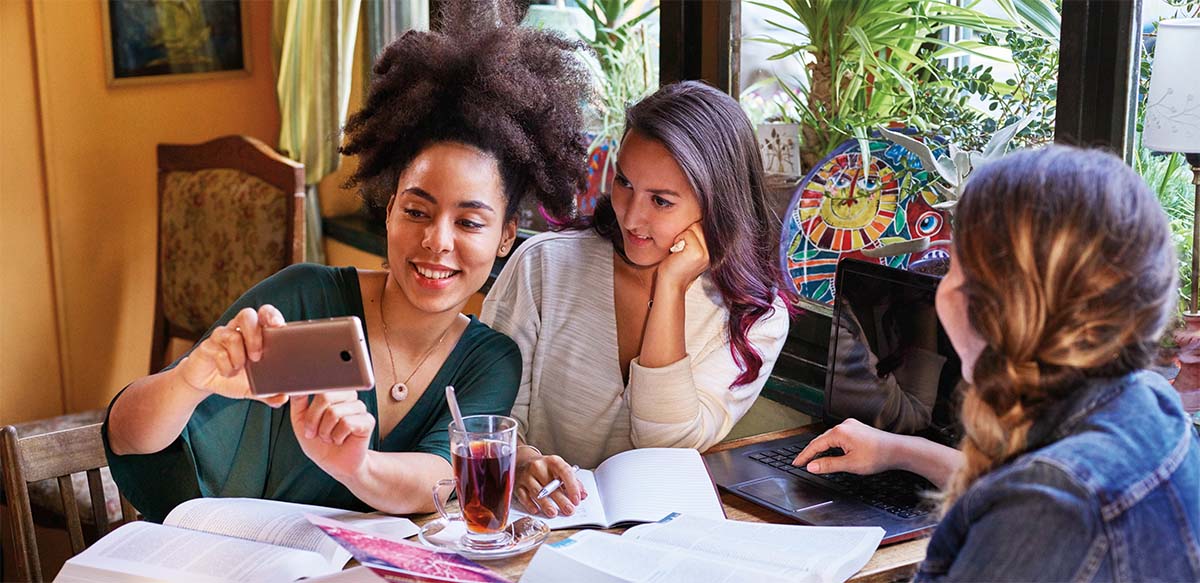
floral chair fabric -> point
(223, 231)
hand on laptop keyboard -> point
(852, 447)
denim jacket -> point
(1108, 490)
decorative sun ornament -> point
(845, 209)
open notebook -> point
(642, 485)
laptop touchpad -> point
(789, 494)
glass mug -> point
(484, 459)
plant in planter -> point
(873, 62)
(866, 59)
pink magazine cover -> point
(401, 561)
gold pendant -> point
(399, 392)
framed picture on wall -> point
(150, 41)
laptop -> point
(891, 366)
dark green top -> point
(243, 448)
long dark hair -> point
(712, 140)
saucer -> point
(527, 533)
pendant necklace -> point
(399, 390)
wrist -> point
(668, 290)
(900, 449)
(356, 477)
(933, 461)
(185, 388)
(526, 453)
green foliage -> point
(624, 67)
(871, 62)
(946, 109)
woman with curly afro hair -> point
(458, 127)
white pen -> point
(553, 485)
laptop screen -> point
(890, 363)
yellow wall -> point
(99, 192)
(30, 380)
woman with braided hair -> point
(458, 127)
(1076, 462)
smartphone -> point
(312, 356)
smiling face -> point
(652, 199)
(446, 226)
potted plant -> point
(872, 62)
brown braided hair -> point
(1069, 275)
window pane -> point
(947, 72)
(1167, 173)
(624, 68)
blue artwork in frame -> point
(173, 40)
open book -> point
(642, 485)
(684, 549)
(226, 539)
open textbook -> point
(226, 539)
(642, 485)
(684, 549)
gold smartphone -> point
(312, 356)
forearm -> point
(663, 342)
(398, 483)
(932, 460)
(151, 413)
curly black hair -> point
(482, 80)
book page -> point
(281, 523)
(645, 485)
(359, 574)
(590, 511)
(143, 551)
(597, 557)
(816, 553)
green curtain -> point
(312, 43)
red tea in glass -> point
(483, 454)
(485, 484)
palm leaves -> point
(864, 57)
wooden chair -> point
(59, 454)
(230, 213)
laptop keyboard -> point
(897, 492)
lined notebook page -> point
(645, 485)
(590, 511)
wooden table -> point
(889, 563)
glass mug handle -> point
(437, 499)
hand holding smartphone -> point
(312, 356)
